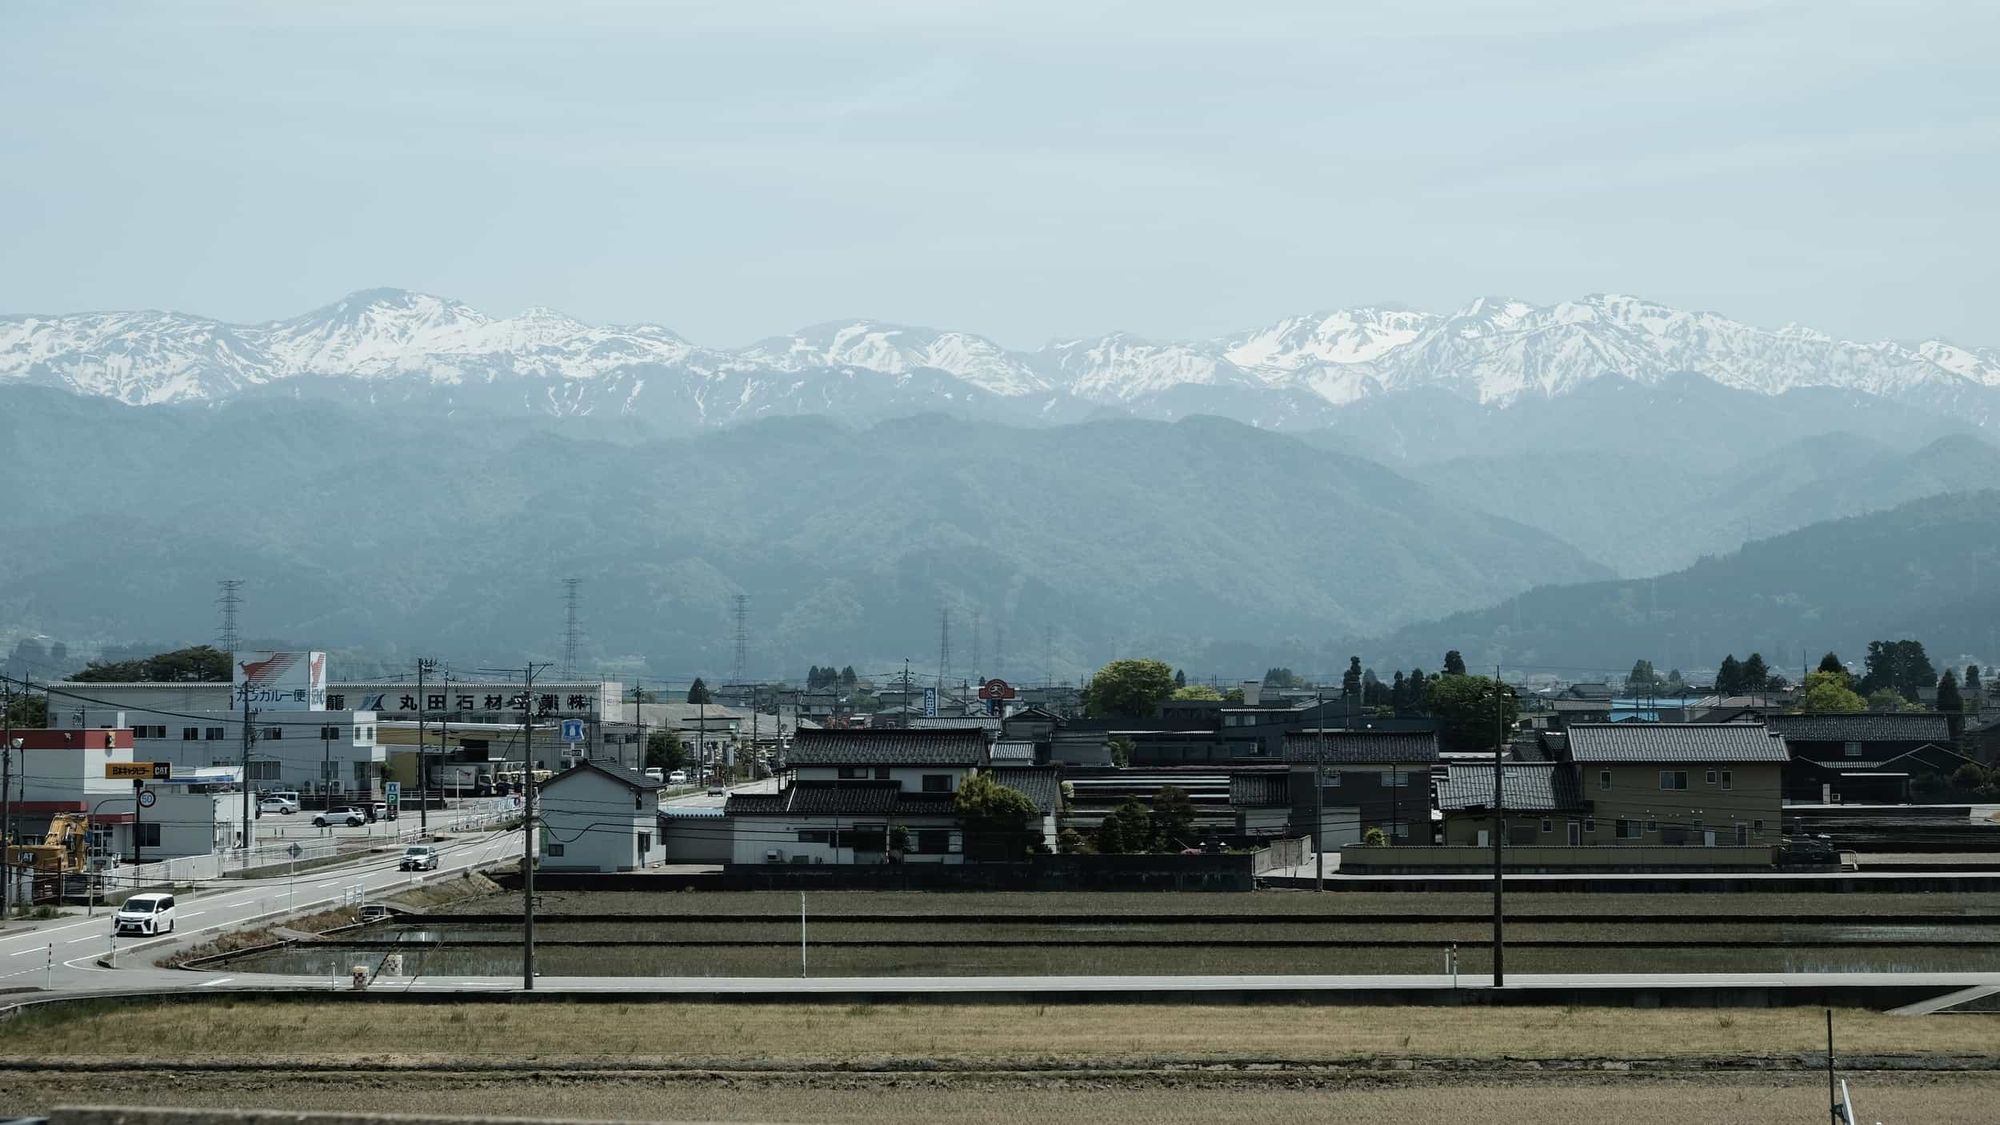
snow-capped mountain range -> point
(1496, 351)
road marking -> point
(25, 952)
(195, 914)
(329, 883)
(86, 937)
(216, 981)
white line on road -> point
(216, 981)
(195, 914)
(37, 949)
(86, 937)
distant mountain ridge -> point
(1295, 373)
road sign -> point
(148, 798)
(572, 730)
(392, 792)
(294, 851)
(996, 689)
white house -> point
(854, 794)
(599, 817)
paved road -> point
(62, 953)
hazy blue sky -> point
(1023, 170)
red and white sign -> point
(996, 689)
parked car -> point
(275, 804)
(717, 789)
(418, 857)
(678, 777)
(655, 773)
(345, 814)
(381, 810)
(149, 913)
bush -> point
(1375, 838)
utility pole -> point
(528, 836)
(1319, 796)
(7, 795)
(424, 665)
(249, 736)
(1499, 831)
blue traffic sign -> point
(572, 730)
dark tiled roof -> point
(1259, 790)
(630, 778)
(1361, 747)
(840, 798)
(1869, 726)
(1673, 742)
(887, 748)
(956, 722)
(1530, 786)
(1042, 786)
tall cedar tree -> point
(1454, 664)
(1756, 676)
(1972, 677)
(1951, 703)
(1399, 693)
(1350, 680)
(1172, 820)
(1899, 666)
(1831, 663)
(698, 692)
(1729, 677)
(1180, 678)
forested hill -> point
(1929, 569)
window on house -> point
(1622, 829)
(645, 842)
(212, 734)
(881, 773)
(190, 734)
(1590, 824)
(937, 783)
(328, 734)
(272, 734)
(555, 851)
(1673, 779)
(1710, 777)
(264, 771)
(1604, 779)
(1725, 779)
(1852, 749)
(1548, 825)
(1742, 835)
(1757, 826)
(933, 841)
(853, 773)
(815, 836)
(1652, 826)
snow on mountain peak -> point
(1497, 349)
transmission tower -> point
(741, 606)
(572, 633)
(230, 599)
(944, 647)
(977, 613)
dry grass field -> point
(742, 1035)
(999, 1064)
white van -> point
(145, 914)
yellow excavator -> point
(64, 852)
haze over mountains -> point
(399, 470)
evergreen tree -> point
(847, 677)
(1180, 678)
(1948, 697)
(1454, 664)
(1171, 820)
(1756, 676)
(1374, 693)
(1675, 685)
(1729, 677)
(1899, 666)
(1642, 677)
(698, 692)
(1419, 688)
(1831, 663)
(1350, 681)
(1972, 677)
(1399, 693)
